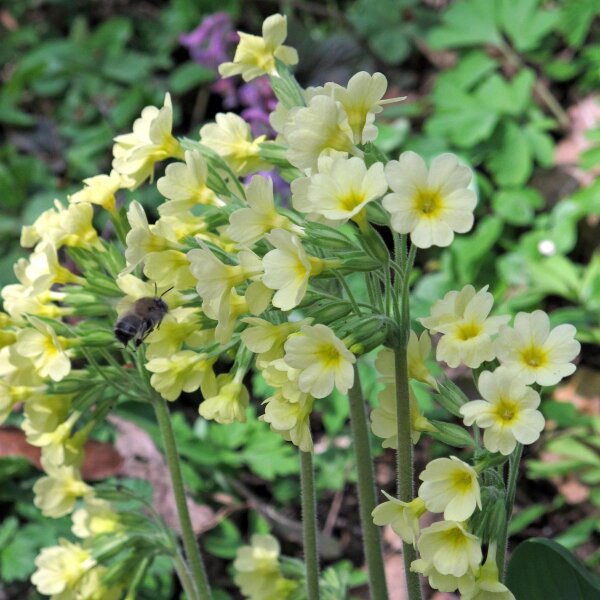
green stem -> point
(404, 454)
(366, 491)
(309, 525)
(513, 475)
(183, 573)
(189, 538)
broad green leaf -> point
(467, 23)
(510, 160)
(516, 206)
(576, 19)
(556, 275)
(579, 533)
(526, 517)
(540, 143)
(189, 76)
(471, 68)
(541, 569)
(526, 23)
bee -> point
(144, 316)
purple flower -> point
(208, 43)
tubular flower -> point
(227, 401)
(437, 580)
(450, 486)
(403, 517)
(258, 573)
(486, 585)
(255, 56)
(322, 125)
(44, 270)
(430, 205)
(279, 375)
(56, 494)
(450, 548)
(184, 184)
(536, 353)
(184, 371)
(95, 518)
(323, 361)
(231, 138)
(508, 413)
(463, 319)
(101, 190)
(248, 225)
(291, 419)
(11, 395)
(150, 142)
(340, 190)
(45, 349)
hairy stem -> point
(309, 525)
(366, 491)
(511, 489)
(187, 533)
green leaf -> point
(516, 206)
(526, 24)
(467, 23)
(471, 68)
(556, 275)
(541, 569)
(510, 161)
(526, 517)
(577, 17)
(189, 76)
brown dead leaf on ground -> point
(573, 491)
(582, 390)
(143, 460)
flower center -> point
(455, 538)
(329, 355)
(462, 480)
(467, 331)
(351, 200)
(534, 356)
(428, 202)
(507, 412)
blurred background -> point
(509, 85)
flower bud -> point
(328, 238)
(99, 338)
(488, 523)
(450, 396)
(374, 245)
(361, 262)
(330, 312)
(451, 434)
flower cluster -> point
(225, 282)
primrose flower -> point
(44, 270)
(430, 205)
(536, 353)
(257, 570)
(101, 190)
(288, 268)
(248, 225)
(11, 395)
(437, 580)
(450, 548)
(340, 190)
(508, 413)
(228, 401)
(255, 56)
(45, 349)
(231, 138)
(322, 125)
(450, 486)
(56, 494)
(403, 517)
(463, 318)
(95, 518)
(169, 268)
(279, 375)
(184, 371)
(323, 359)
(486, 585)
(150, 142)
(184, 184)
(291, 419)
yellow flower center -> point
(467, 331)
(351, 200)
(329, 355)
(462, 481)
(534, 356)
(428, 202)
(507, 412)
(455, 538)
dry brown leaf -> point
(582, 390)
(574, 491)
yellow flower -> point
(169, 268)
(184, 371)
(231, 138)
(10, 395)
(450, 486)
(255, 56)
(463, 318)
(56, 494)
(403, 517)
(225, 311)
(248, 225)
(508, 413)
(228, 401)
(21, 299)
(340, 190)
(283, 378)
(184, 184)
(450, 548)
(291, 419)
(322, 358)
(44, 270)
(48, 221)
(430, 205)
(288, 268)
(437, 580)
(486, 585)
(258, 573)
(101, 190)
(16, 370)
(60, 570)
(45, 349)
(95, 518)
(536, 353)
(418, 352)
(322, 125)
(150, 141)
